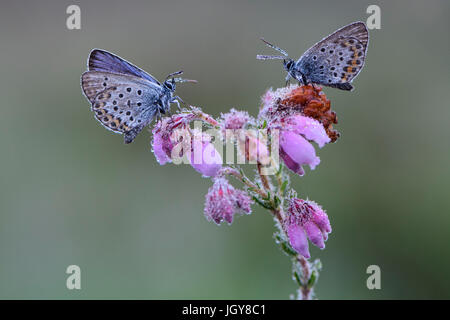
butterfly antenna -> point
(275, 47)
(174, 74)
(184, 80)
(263, 57)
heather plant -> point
(278, 143)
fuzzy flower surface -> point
(306, 220)
(204, 158)
(172, 131)
(223, 201)
(235, 119)
(165, 135)
(302, 115)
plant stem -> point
(264, 179)
(305, 290)
(204, 116)
(244, 179)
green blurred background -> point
(73, 193)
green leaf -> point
(280, 168)
(312, 280)
(277, 237)
(317, 265)
(276, 201)
(288, 249)
(297, 279)
(262, 204)
(284, 185)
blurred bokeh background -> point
(73, 193)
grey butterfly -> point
(334, 61)
(123, 97)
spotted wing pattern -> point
(337, 59)
(121, 103)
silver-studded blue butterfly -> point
(334, 61)
(123, 97)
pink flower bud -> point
(235, 120)
(223, 201)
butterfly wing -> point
(122, 103)
(101, 60)
(337, 59)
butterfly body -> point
(334, 61)
(124, 98)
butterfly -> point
(334, 61)
(123, 97)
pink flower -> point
(204, 157)
(306, 219)
(307, 100)
(163, 135)
(252, 146)
(310, 128)
(295, 149)
(223, 201)
(235, 120)
(301, 114)
(162, 148)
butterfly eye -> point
(289, 64)
(169, 84)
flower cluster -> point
(306, 219)
(297, 117)
(308, 101)
(223, 201)
(174, 131)
(301, 114)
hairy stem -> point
(204, 116)
(234, 172)
(305, 290)
(264, 179)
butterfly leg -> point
(158, 115)
(177, 100)
(178, 104)
(288, 79)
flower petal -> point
(298, 240)
(158, 149)
(298, 149)
(291, 164)
(310, 128)
(206, 159)
(321, 219)
(243, 202)
(314, 234)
